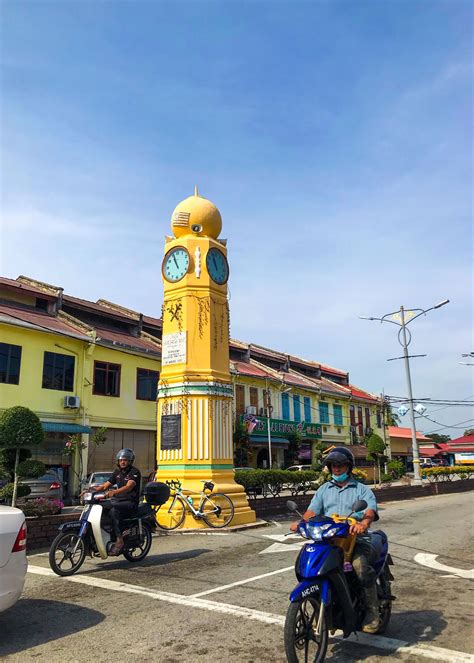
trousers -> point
(362, 560)
(118, 512)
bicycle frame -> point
(198, 513)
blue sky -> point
(335, 138)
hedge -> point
(448, 473)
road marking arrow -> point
(282, 547)
(428, 560)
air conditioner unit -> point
(262, 412)
(353, 429)
(251, 409)
(72, 401)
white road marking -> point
(281, 537)
(426, 559)
(242, 582)
(376, 641)
(282, 547)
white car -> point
(13, 564)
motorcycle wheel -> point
(63, 560)
(141, 550)
(301, 640)
(385, 605)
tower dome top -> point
(196, 216)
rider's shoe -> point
(371, 626)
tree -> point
(468, 431)
(317, 456)
(75, 445)
(20, 428)
(439, 438)
(376, 451)
(390, 417)
(294, 444)
(241, 440)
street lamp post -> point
(402, 318)
(269, 435)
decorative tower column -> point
(194, 433)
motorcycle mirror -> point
(359, 505)
(292, 506)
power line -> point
(454, 426)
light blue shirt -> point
(331, 498)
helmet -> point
(340, 455)
(128, 454)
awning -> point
(60, 427)
(259, 440)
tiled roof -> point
(39, 320)
(359, 393)
(122, 339)
(330, 369)
(12, 283)
(465, 439)
(98, 308)
(405, 433)
(249, 369)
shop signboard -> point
(282, 427)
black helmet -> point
(128, 454)
(340, 455)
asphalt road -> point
(223, 597)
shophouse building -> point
(83, 365)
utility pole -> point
(402, 318)
(268, 409)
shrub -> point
(41, 507)
(31, 468)
(275, 481)
(396, 469)
(6, 493)
(448, 473)
(385, 477)
(360, 475)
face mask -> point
(341, 478)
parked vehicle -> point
(13, 564)
(48, 486)
(427, 462)
(96, 479)
(91, 534)
(299, 468)
(329, 595)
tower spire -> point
(196, 192)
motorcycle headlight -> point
(87, 497)
(317, 531)
(332, 531)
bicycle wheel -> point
(171, 517)
(141, 550)
(64, 558)
(306, 633)
(218, 510)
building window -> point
(147, 384)
(296, 407)
(307, 409)
(254, 398)
(239, 399)
(106, 379)
(285, 406)
(10, 360)
(323, 413)
(337, 410)
(360, 422)
(352, 415)
(379, 419)
(58, 371)
(367, 417)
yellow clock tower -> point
(194, 433)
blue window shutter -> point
(285, 406)
(297, 408)
(324, 413)
(307, 409)
(338, 421)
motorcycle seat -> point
(378, 540)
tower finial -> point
(196, 192)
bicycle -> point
(216, 509)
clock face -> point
(175, 264)
(217, 266)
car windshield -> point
(49, 476)
(100, 478)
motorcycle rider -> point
(337, 496)
(124, 498)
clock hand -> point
(214, 261)
(174, 258)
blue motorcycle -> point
(329, 595)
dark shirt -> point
(120, 478)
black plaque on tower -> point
(170, 432)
